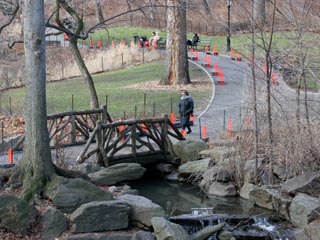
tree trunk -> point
(94, 102)
(259, 13)
(177, 70)
(99, 13)
(36, 168)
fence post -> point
(72, 102)
(171, 103)
(62, 71)
(10, 110)
(101, 64)
(122, 60)
(144, 104)
(135, 112)
(124, 115)
(164, 133)
(106, 102)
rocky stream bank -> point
(106, 208)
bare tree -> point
(177, 70)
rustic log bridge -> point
(71, 128)
(145, 141)
(137, 140)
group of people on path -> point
(144, 42)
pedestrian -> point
(185, 109)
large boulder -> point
(164, 230)
(87, 168)
(249, 170)
(307, 183)
(16, 215)
(101, 236)
(304, 209)
(207, 231)
(218, 153)
(143, 235)
(189, 150)
(196, 167)
(269, 197)
(222, 190)
(246, 190)
(214, 174)
(100, 216)
(142, 209)
(69, 194)
(117, 173)
(313, 229)
(53, 224)
(227, 142)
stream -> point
(186, 206)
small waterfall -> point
(244, 227)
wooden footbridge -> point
(145, 141)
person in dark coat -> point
(185, 110)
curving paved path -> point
(226, 99)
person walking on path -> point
(185, 109)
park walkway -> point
(226, 101)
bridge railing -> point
(138, 140)
(71, 128)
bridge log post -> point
(164, 133)
(168, 143)
(134, 140)
(73, 129)
(101, 154)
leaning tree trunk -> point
(36, 168)
(99, 13)
(94, 102)
(177, 70)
